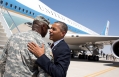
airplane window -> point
(23, 10)
(30, 12)
(33, 13)
(10, 5)
(6, 3)
(77, 36)
(72, 35)
(26, 11)
(1, 2)
(19, 8)
(15, 7)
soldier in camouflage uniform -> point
(16, 59)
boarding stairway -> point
(3, 38)
(5, 31)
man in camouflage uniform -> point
(16, 59)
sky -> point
(92, 14)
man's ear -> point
(63, 33)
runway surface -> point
(102, 68)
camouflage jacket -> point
(19, 61)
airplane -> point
(17, 16)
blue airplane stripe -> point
(52, 20)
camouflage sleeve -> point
(4, 53)
(4, 57)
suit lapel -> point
(55, 47)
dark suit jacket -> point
(61, 53)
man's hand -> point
(35, 49)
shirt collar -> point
(55, 43)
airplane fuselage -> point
(26, 11)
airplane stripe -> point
(52, 20)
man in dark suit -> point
(60, 50)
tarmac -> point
(85, 68)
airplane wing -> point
(91, 43)
(78, 39)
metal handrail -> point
(11, 18)
(11, 26)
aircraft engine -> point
(115, 48)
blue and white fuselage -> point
(25, 10)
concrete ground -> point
(84, 68)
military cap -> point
(42, 19)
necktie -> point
(52, 45)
